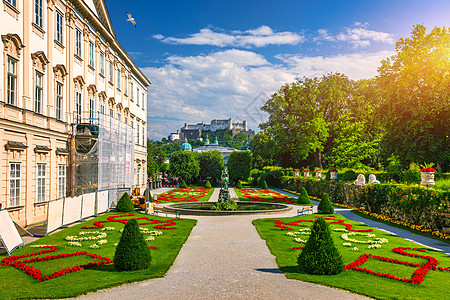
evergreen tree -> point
(125, 204)
(325, 206)
(303, 198)
(208, 185)
(132, 252)
(239, 185)
(320, 256)
(183, 184)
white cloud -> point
(234, 83)
(360, 36)
(259, 37)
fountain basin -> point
(244, 208)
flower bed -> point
(185, 195)
(264, 195)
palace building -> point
(73, 106)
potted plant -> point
(333, 174)
(296, 173)
(427, 175)
(318, 173)
(306, 173)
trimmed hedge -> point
(125, 204)
(239, 185)
(183, 184)
(303, 198)
(412, 204)
(132, 252)
(207, 185)
(320, 256)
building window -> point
(111, 72)
(132, 91)
(138, 175)
(125, 83)
(40, 183)
(14, 184)
(59, 100)
(143, 100)
(12, 81)
(78, 43)
(38, 12)
(119, 117)
(59, 27)
(102, 63)
(77, 107)
(61, 181)
(91, 54)
(143, 136)
(111, 113)
(138, 133)
(38, 93)
(12, 2)
(91, 110)
(102, 109)
(137, 96)
(118, 79)
(126, 120)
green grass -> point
(431, 288)
(15, 283)
(182, 196)
(442, 184)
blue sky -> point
(222, 59)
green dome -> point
(216, 142)
(207, 140)
(186, 146)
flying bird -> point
(147, 28)
(131, 19)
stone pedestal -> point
(427, 178)
(333, 175)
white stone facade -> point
(218, 125)
(60, 61)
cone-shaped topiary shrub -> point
(125, 204)
(325, 206)
(208, 185)
(303, 198)
(320, 256)
(183, 184)
(132, 252)
(239, 185)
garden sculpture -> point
(361, 180)
(373, 179)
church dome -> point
(186, 146)
(207, 140)
(216, 142)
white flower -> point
(108, 228)
(94, 246)
(299, 240)
(75, 244)
(374, 246)
(150, 238)
(290, 234)
(347, 244)
(355, 249)
(340, 229)
(101, 242)
(116, 244)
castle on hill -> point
(194, 131)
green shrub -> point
(132, 252)
(183, 184)
(320, 256)
(303, 198)
(325, 206)
(125, 204)
(412, 175)
(239, 185)
(349, 176)
(263, 185)
(208, 185)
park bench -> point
(304, 210)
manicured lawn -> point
(185, 195)
(169, 237)
(263, 195)
(281, 244)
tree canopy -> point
(184, 164)
(239, 164)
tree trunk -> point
(318, 157)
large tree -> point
(302, 113)
(211, 164)
(416, 110)
(265, 150)
(184, 164)
(155, 158)
(239, 164)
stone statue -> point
(373, 179)
(361, 180)
(225, 179)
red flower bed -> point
(36, 273)
(285, 226)
(162, 224)
(418, 275)
(250, 194)
(177, 195)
